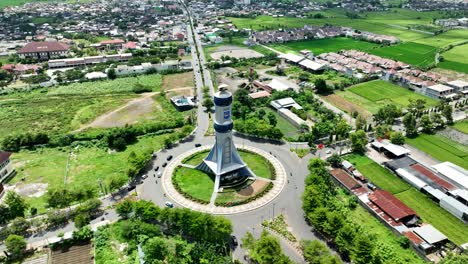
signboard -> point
(227, 115)
(320, 146)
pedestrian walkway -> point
(278, 185)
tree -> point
(387, 114)
(272, 119)
(358, 141)
(361, 122)
(156, 249)
(416, 105)
(447, 112)
(409, 121)
(4, 214)
(111, 74)
(316, 252)
(19, 226)
(334, 160)
(426, 124)
(454, 258)
(397, 138)
(364, 249)
(16, 204)
(124, 209)
(266, 250)
(15, 245)
(81, 220)
(321, 86)
(208, 103)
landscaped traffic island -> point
(198, 186)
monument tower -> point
(223, 160)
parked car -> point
(197, 145)
(144, 176)
(164, 164)
(371, 186)
(157, 168)
(129, 188)
(154, 156)
(234, 241)
(159, 174)
(169, 158)
(169, 204)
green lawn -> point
(416, 54)
(453, 228)
(430, 212)
(461, 126)
(454, 66)
(375, 94)
(377, 174)
(288, 129)
(455, 59)
(258, 164)
(87, 166)
(441, 148)
(325, 45)
(446, 38)
(194, 183)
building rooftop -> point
(277, 85)
(458, 83)
(345, 179)
(391, 205)
(285, 103)
(429, 234)
(440, 88)
(312, 65)
(259, 94)
(291, 57)
(456, 174)
(46, 46)
(4, 156)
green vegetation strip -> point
(279, 225)
(441, 148)
(193, 184)
(461, 126)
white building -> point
(439, 91)
(6, 168)
(459, 86)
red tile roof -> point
(413, 237)
(112, 41)
(4, 156)
(45, 46)
(429, 174)
(391, 205)
(345, 179)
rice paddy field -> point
(441, 148)
(428, 210)
(325, 45)
(455, 59)
(375, 94)
(419, 55)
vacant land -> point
(179, 80)
(319, 46)
(234, 52)
(453, 228)
(377, 174)
(289, 131)
(347, 106)
(441, 148)
(430, 212)
(54, 114)
(194, 182)
(416, 54)
(120, 85)
(461, 126)
(375, 94)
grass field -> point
(284, 125)
(455, 59)
(325, 45)
(258, 164)
(461, 126)
(194, 182)
(445, 39)
(441, 148)
(453, 228)
(377, 174)
(87, 165)
(416, 54)
(430, 212)
(375, 94)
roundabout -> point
(267, 196)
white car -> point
(144, 176)
(159, 174)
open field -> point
(235, 52)
(454, 66)
(319, 46)
(375, 94)
(178, 80)
(54, 114)
(120, 85)
(441, 148)
(455, 59)
(258, 164)
(430, 212)
(461, 126)
(87, 165)
(196, 183)
(445, 39)
(416, 54)
(453, 228)
(377, 174)
(284, 125)
(346, 106)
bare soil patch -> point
(179, 80)
(31, 189)
(346, 106)
(254, 188)
(236, 53)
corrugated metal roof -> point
(430, 234)
(391, 205)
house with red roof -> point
(113, 43)
(44, 50)
(393, 207)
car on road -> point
(164, 164)
(159, 174)
(129, 188)
(154, 156)
(169, 204)
(234, 241)
(371, 186)
(169, 158)
(157, 168)
(144, 176)
(197, 145)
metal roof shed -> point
(430, 234)
(455, 207)
(411, 179)
(454, 173)
(436, 193)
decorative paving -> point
(278, 185)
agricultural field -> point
(430, 212)
(441, 148)
(5, 3)
(445, 39)
(461, 126)
(419, 55)
(455, 59)
(375, 94)
(325, 45)
(377, 174)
